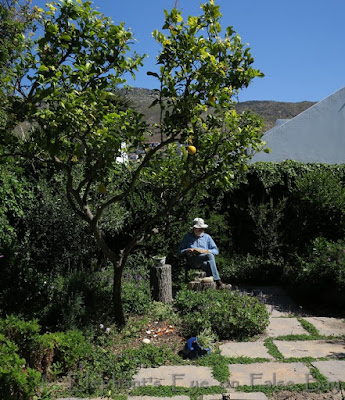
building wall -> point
(316, 135)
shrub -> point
(229, 314)
(71, 349)
(78, 299)
(22, 333)
(60, 351)
(102, 371)
(163, 312)
(325, 264)
(136, 296)
(250, 268)
(16, 380)
(319, 199)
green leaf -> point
(152, 74)
(43, 68)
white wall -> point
(316, 135)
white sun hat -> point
(199, 223)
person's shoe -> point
(223, 286)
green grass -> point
(218, 363)
(273, 349)
(170, 391)
(309, 328)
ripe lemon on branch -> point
(102, 188)
(191, 150)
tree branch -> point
(135, 176)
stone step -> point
(245, 349)
(311, 348)
(269, 374)
(157, 398)
(328, 326)
(236, 396)
(333, 370)
(189, 376)
(285, 326)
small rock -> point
(148, 332)
(146, 341)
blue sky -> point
(298, 44)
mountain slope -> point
(270, 111)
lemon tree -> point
(65, 85)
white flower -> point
(108, 330)
(101, 326)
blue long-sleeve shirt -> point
(191, 241)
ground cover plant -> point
(229, 314)
(104, 359)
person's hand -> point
(202, 251)
(190, 251)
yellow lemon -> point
(102, 188)
(191, 150)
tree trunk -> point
(117, 301)
(160, 283)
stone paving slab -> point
(285, 326)
(311, 348)
(328, 326)
(236, 396)
(269, 374)
(245, 349)
(333, 370)
(175, 375)
(157, 398)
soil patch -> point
(287, 395)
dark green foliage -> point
(136, 296)
(102, 370)
(40, 351)
(51, 268)
(250, 268)
(20, 332)
(324, 265)
(319, 198)
(279, 208)
(16, 381)
(230, 314)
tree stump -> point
(160, 283)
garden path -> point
(296, 349)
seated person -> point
(200, 250)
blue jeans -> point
(206, 262)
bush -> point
(22, 333)
(231, 315)
(250, 268)
(319, 199)
(78, 299)
(16, 380)
(102, 371)
(163, 312)
(136, 297)
(60, 351)
(71, 349)
(325, 264)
